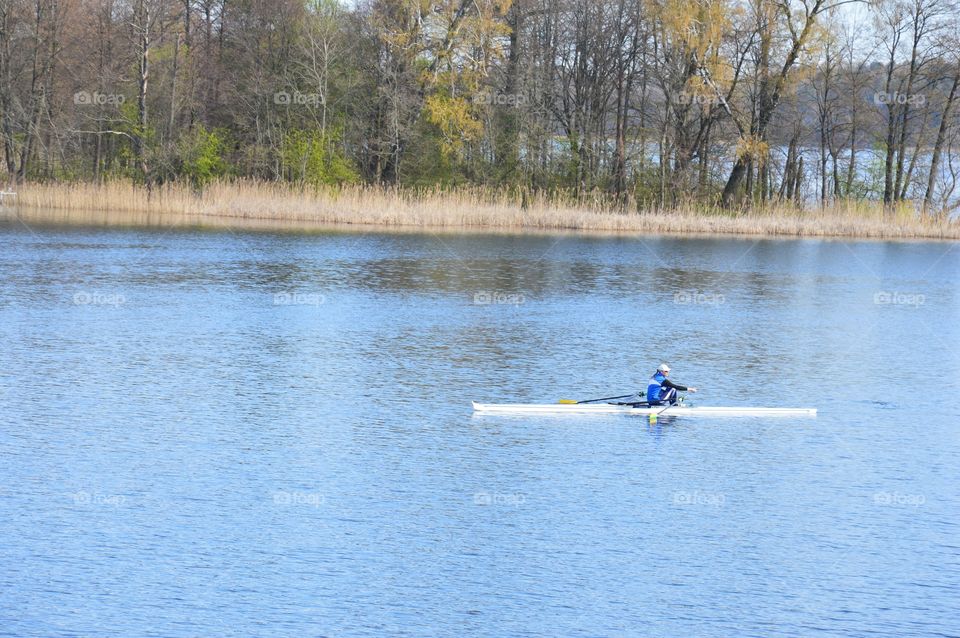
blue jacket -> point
(654, 386)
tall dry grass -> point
(281, 206)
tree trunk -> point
(941, 136)
(173, 91)
(6, 90)
(899, 188)
(823, 161)
(798, 183)
(143, 20)
(891, 125)
(851, 167)
(36, 99)
(507, 148)
(905, 184)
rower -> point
(663, 391)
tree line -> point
(645, 103)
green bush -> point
(201, 155)
(311, 158)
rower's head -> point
(663, 369)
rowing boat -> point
(676, 410)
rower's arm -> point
(667, 383)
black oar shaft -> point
(625, 396)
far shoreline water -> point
(268, 207)
(230, 224)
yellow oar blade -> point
(566, 401)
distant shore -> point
(272, 206)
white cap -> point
(663, 367)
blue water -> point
(233, 434)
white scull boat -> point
(676, 410)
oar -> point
(654, 415)
(572, 401)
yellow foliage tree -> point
(456, 122)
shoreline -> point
(273, 207)
(227, 224)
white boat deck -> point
(678, 410)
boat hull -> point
(585, 408)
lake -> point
(256, 434)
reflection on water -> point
(213, 433)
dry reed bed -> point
(278, 206)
